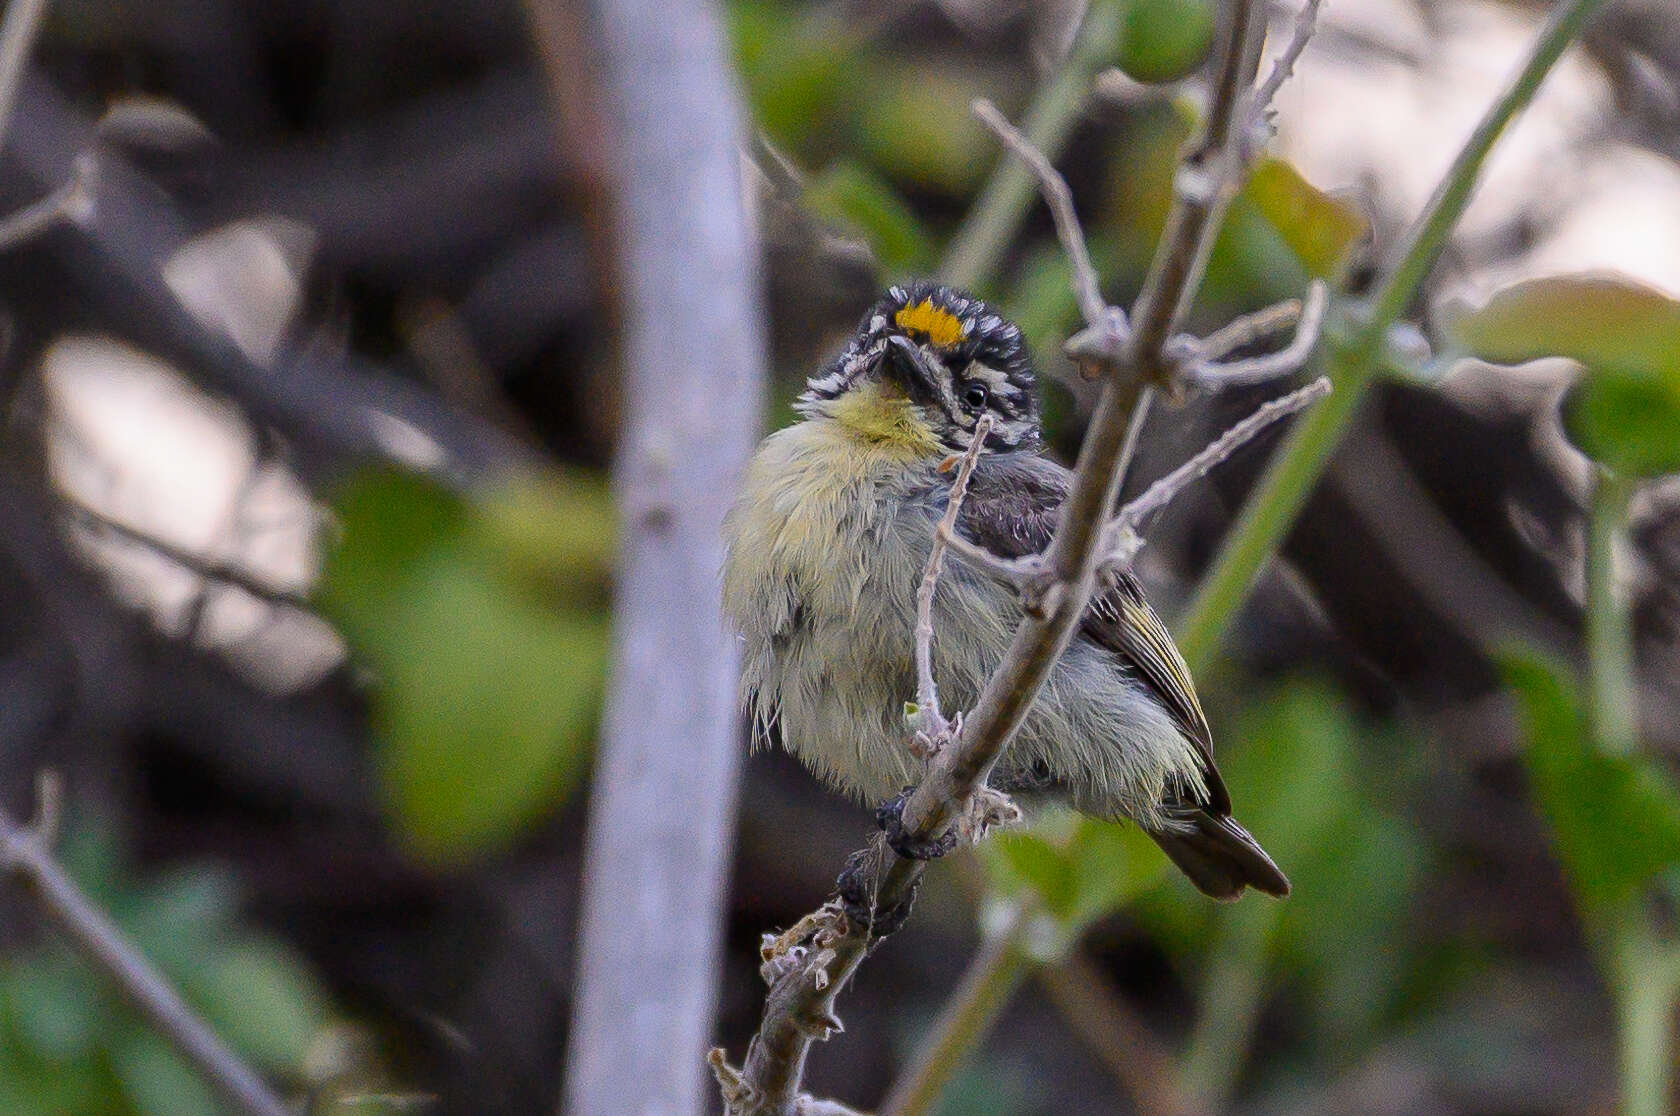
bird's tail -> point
(1219, 856)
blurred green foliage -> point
(1615, 820)
(1626, 412)
(483, 622)
(1165, 40)
(70, 1044)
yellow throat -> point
(874, 413)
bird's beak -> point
(904, 360)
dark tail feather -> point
(1220, 857)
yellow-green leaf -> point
(1626, 411)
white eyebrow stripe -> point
(997, 381)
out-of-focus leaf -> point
(54, 1009)
(797, 80)
(555, 526)
(916, 125)
(262, 1000)
(156, 1080)
(852, 196)
(179, 918)
(1112, 863)
(1079, 868)
(1165, 40)
(1615, 820)
(1301, 783)
(488, 678)
(1626, 413)
(1319, 229)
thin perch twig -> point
(1310, 319)
(934, 726)
(1123, 539)
(1306, 20)
(1246, 330)
(1059, 198)
(25, 855)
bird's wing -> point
(1011, 509)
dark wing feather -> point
(1011, 509)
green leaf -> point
(1165, 40)
(854, 197)
(1112, 864)
(1615, 820)
(798, 76)
(488, 653)
(1319, 229)
(916, 125)
(56, 1010)
(1626, 412)
(156, 1080)
(1080, 869)
(180, 917)
(260, 998)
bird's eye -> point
(975, 397)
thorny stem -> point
(1614, 708)
(1288, 481)
(24, 855)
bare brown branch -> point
(1060, 200)
(934, 726)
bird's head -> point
(926, 363)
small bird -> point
(826, 546)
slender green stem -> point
(1614, 706)
(985, 990)
(985, 234)
(1229, 1003)
(1267, 515)
(1645, 977)
(1293, 473)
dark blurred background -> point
(326, 725)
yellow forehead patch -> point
(942, 327)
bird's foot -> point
(857, 886)
(890, 817)
(986, 808)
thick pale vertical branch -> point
(664, 793)
(18, 29)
